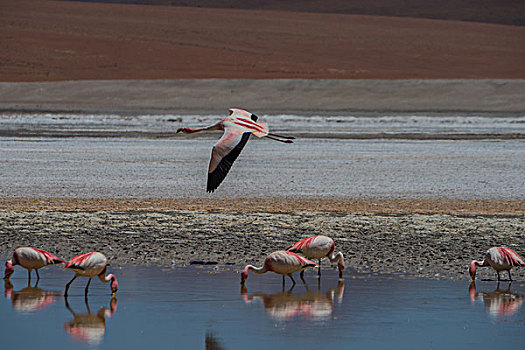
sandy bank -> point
(371, 206)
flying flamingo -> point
(500, 259)
(318, 247)
(91, 265)
(31, 259)
(238, 127)
(281, 262)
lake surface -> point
(191, 308)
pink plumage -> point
(319, 247)
(237, 127)
(282, 263)
(500, 259)
(90, 265)
(31, 259)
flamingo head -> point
(244, 275)
(9, 269)
(341, 267)
(472, 270)
(114, 285)
(185, 130)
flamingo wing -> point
(223, 154)
(78, 261)
(247, 122)
(50, 258)
(298, 246)
(509, 257)
(302, 260)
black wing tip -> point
(76, 267)
(217, 176)
(254, 117)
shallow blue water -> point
(185, 308)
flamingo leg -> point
(283, 282)
(290, 275)
(499, 278)
(87, 287)
(276, 139)
(37, 276)
(67, 285)
(28, 277)
(281, 136)
(510, 277)
(302, 278)
(319, 270)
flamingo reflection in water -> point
(498, 303)
(29, 299)
(312, 305)
(89, 328)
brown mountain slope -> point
(52, 40)
(511, 12)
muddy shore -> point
(434, 243)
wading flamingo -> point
(237, 127)
(91, 265)
(318, 247)
(281, 262)
(31, 259)
(500, 259)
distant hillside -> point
(66, 40)
(509, 12)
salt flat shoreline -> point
(494, 97)
(408, 245)
(410, 238)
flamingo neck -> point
(472, 267)
(479, 263)
(110, 277)
(255, 269)
(217, 126)
(335, 258)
